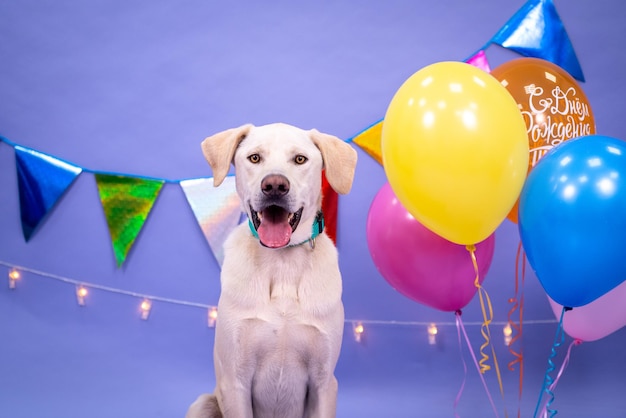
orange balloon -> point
(554, 106)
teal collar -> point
(316, 230)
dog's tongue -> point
(274, 231)
(274, 235)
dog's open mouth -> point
(274, 225)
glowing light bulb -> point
(432, 334)
(146, 306)
(212, 316)
(358, 332)
(508, 334)
(14, 276)
(81, 293)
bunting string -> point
(535, 30)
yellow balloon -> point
(455, 150)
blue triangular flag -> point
(41, 180)
(536, 30)
(217, 210)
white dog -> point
(281, 318)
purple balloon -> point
(596, 319)
(418, 263)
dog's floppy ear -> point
(219, 150)
(339, 160)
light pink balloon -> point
(597, 319)
(419, 263)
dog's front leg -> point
(233, 368)
(235, 400)
(322, 400)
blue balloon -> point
(572, 219)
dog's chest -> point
(286, 301)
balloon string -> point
(484, 367)
(561, 370)
(469, 346)
(459, 324)
(559, 339)
(518, 303)
(487, 310)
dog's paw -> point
(205, 406)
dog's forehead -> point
(277, 137)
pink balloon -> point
(597, 319)
(419, 263)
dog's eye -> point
(254, 158)
(300, 159)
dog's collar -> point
(316, 230)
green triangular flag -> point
(127, 202)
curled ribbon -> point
(487, 310)
(548, 384)
(518, 303)
(544, 412)
(461, 328)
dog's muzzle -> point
(274, 223)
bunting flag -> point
(330, 208)
(479, 60)
(536, 30)
(369, 141)
(217, 210)
(41, 180)
(127, 202)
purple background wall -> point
(134, 86)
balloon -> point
(554, 107)
(455, 151)
(597, 319)
(572, 218)
(418, 263)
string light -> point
(358, 331)
(508, 334)
(432, 334)
(212, 316)
(81, 293)
(14, 276)
(145, 307)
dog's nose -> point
(275, 185)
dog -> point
(281, 318)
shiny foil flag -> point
(536, 30)
(369, 141)
(217, 210)
(42, 180)
(330, 204)
(127, 202)
(479, 60)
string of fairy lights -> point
(147, 301)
